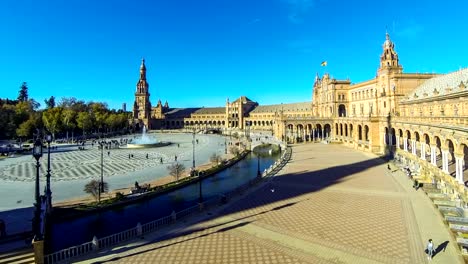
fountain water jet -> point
(146, 142)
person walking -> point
(430, 249)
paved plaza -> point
(330, 204)
(71, 168)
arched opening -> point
(366, 132)
(327, 129)
(418, 142)
(299, 133)
(451, 157)
(400, 135)
(438, 151)
(386, 137)
(346, 130)
(342, 110)
(408, 140)
(336, 129)
(318, 131)
(359, 132)
(464, 150)
(341, 129)
(351, 132)
(289, 133)
(393, 137)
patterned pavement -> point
(330, 204)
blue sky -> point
(198, 53)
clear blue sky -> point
(198, 53)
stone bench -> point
(437, 196)
(462, 242)
(445, 203)
(456, 219)
(458, 228)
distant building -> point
(124, 107)
(423, 117)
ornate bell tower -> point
(142, 105)
(389, 59)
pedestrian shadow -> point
(440, 248)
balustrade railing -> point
(139, 230)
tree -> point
(215, 159)
(52, 119)
(23, 92)
(50, 103)
(27, 128)
(68, 119)
(84, 121)
(92, 188)
(176, 170)
(99, 111)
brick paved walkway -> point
(330, 204)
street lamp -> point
(37, 154)
(101, 183)
(225, 146)
(48, 191)
(200, 198)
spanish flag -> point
(324, 63)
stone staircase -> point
(454, 216)
(23, 256)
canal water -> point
(77, 231)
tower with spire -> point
(142, 105)
(389, 62)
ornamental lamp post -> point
(37, 154)
(101, 183)
(48, 191)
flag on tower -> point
(324, 63)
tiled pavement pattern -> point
(330, 204)
(74, 165)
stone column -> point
(413, 147)
(397, 142)
(384, 139)
(433, 155)
(459, 167)
(313, 134)
(423, 151)
(445, 154)
(390, 139)
(323, 133)
(405, 144)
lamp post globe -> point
(48, 190)
(37, 154)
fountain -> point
(146, 142)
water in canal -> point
(77, 231)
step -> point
(459, 228)
(29, 260)
(18, 257)
(438, 196)
(445, 203)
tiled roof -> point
(441, 85)
(179, 112)
(210, 110)
(243, 99)
(293, 107)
